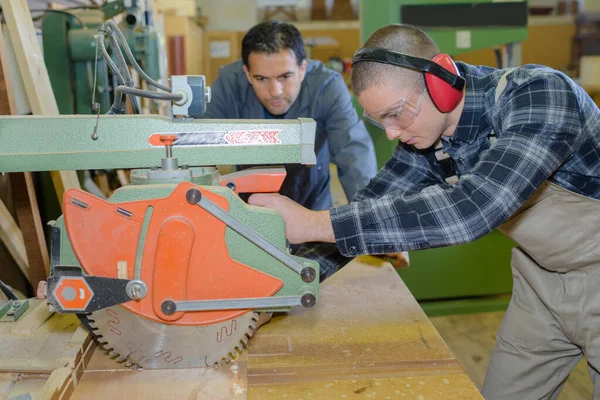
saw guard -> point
(184, 252)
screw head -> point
(308, 274)
(231, 185)
(136, 290)
(308, 300)
(193, 196)
(168, 307)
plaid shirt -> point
(547, 128)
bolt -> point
(193, 196)
(136, 289)
(308, 300)
(168, 307)
(308, 274)
(68, 293)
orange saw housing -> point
(184, 254)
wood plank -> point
(31, 321)
(34, 73)
(58, 379)
(11, 236)
(26, 384)
(7, 98)
(29, 57)
(367, 336)
(23, 191)
(200, 383)
(30, 221)
(46, 348)
(11, 69)
(123, 178)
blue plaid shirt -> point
(547, 128)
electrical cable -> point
(143, 93)
(8, 291)
(122, 65)
(132, 59)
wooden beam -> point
(28, 215)
(12, 237)
(23, 190)
(30, 322)
(35, 75)
(7, 93)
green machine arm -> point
(40, 143)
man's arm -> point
(350, 144)
(526, 153)
(407, 171)
(540, 130)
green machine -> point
(70, 53)
(476, 276)
(172, 269)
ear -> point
(248, 76)
(303, 70)
(444, 96)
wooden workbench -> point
(366, 338)
(43, 354)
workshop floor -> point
(471, 337)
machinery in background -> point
(171, 270)
(70, 52)
(464, 278)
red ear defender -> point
(443, 95)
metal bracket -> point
(12, 310)
(307, 300)
(69, 291)
(194, 196)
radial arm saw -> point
(171, 270)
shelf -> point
(326, 25)
(551, 20)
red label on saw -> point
(261, 136)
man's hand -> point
(301, 224)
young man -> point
(275, 80)
(480, 149)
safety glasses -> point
(399, 116)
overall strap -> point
(446, 162)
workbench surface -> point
(366, 338)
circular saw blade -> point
(137, 341)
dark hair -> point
(271, 37)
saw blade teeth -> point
(131, 340)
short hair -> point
(405, 39)
(271, 37)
